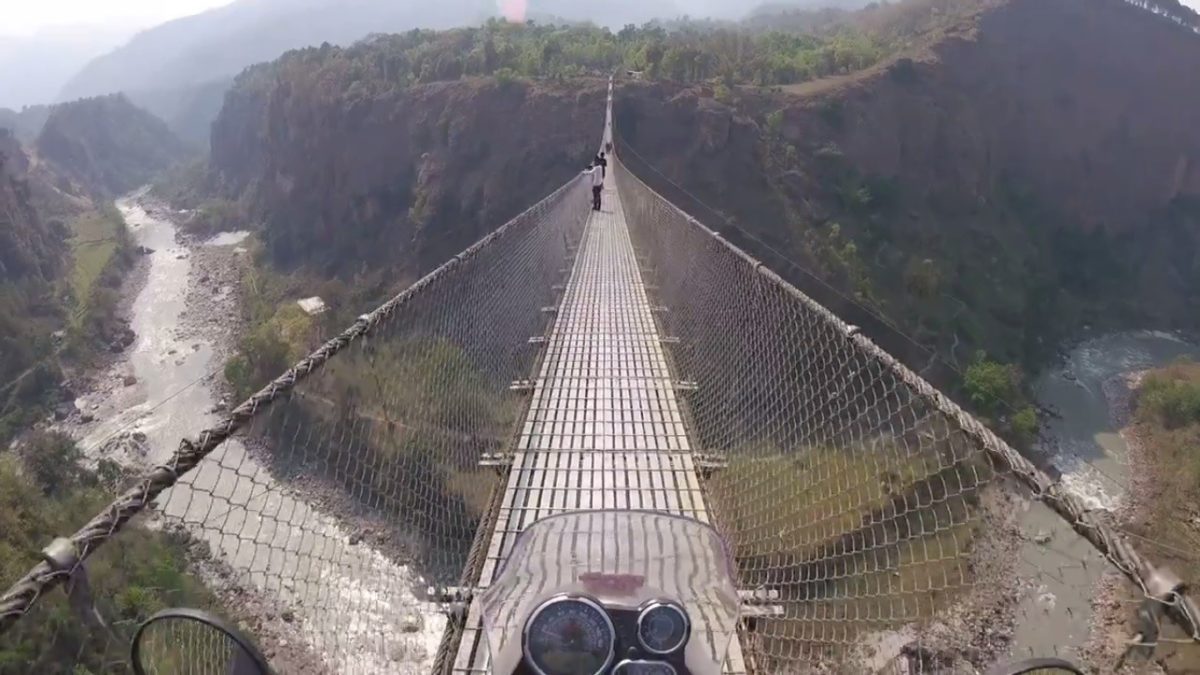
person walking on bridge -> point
(595, 174)
(602, 162)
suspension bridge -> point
(627, 358)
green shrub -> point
(52, 462)
(1025, 424)
(46, 493)
(992, 386)
(1175, 402)
(506, 77)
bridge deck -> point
(604, 428)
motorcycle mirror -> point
(195, 642)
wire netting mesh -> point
(392, 432)
(878, 531)
(337, 506)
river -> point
(1084, 443)
(355, 605)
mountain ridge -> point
(107, 145)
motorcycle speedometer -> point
(569, 635)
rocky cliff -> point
(345, 172)
(1033, 171)
(1037, 90)
(107, 145)
(28, 249)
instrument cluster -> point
(574, 634)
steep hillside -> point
(1003, 188)
(108, 145)
(25, 124)
(31, 257)
(376, 173)
(28, 250)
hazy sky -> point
(25, 17)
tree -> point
(922, 279)
(654, 54)
(490, 57)
(1025, 425)
(992, 386)
(551, 51)
(52, 460)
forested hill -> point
(346, 172)
(408, 125)
(108, 145)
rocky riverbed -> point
(315, 594)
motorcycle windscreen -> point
(623, 559)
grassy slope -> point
(792, 518)
(46, 493)
(1165, 519)
(95, 237)
(1167, 425)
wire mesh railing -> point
(388, 436)
(879, 517)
